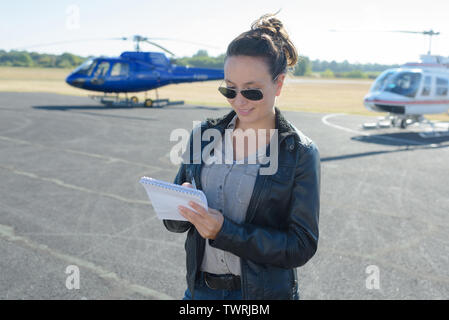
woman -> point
(259, 227)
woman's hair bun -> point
(267, 38)
(270, 25)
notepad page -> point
(166, 197)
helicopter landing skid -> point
(114, 101)
(428, 129)
(382, 122)
(394, 120)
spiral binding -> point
(169, 186)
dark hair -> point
(268, 39)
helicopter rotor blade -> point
(190, 42)
(403, 31)
(120, 38)
(159, 46)
(429, 32)
(61, 42)
(135, 38)
(71, 41)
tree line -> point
(15, 58)
(304, 67)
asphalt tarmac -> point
(70, 200)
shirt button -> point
(221, 187)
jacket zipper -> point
(250, 216)
(243, 279)
(197, 177)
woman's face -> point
(246, 72)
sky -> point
(361, 25)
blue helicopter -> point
(135, 71)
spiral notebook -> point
(165, 197)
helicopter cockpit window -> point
(426, 87)
(380, 82)
(441, 89)
(404, 83)
(120, 69)
(86, 68)
(102, 69)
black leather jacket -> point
(280, 232)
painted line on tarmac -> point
(108, 159)
(7, 233)
(73, 187)
(383, 261)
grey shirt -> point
(228, 188)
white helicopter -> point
(411, 91)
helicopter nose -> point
(369, 102)
(75, 81)
(69, 79)
(367, 99)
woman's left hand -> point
(207, 222)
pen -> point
(193, 183)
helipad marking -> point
(326, 122)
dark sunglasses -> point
(250, 94)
